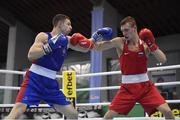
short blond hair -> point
(129, 20)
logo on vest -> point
(140, 54)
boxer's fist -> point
(79, 39)
(102, 34)
(54, 43)
(147, 36)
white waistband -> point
(135, 78)
(43, 71)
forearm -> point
(79, 48)
(101, 46)
(35, 52)
(160, 56)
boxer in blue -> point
(47, 55)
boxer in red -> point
(133, 50)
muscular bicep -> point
(36, 50)
(39, 41)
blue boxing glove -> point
(55, 42)
(105, 33)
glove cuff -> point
(97, 37)
(46, 49)
(153, 47)
(91, 46)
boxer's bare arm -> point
(105, 45)
(147, 36)
(79, 48)
(158, 53)
(160, 56)
(36, 51)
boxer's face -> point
(128, 31)
(65, 26)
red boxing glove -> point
(86, 44)
(81, 40)
(74, 40)
(147, 36)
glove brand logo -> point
(84, 42)
(126, 53)
(141, 54)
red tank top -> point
(133, 62)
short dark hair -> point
(130, 20)
(59, 17)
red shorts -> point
(144, 93)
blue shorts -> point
(36, 88)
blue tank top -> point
(54, 60)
